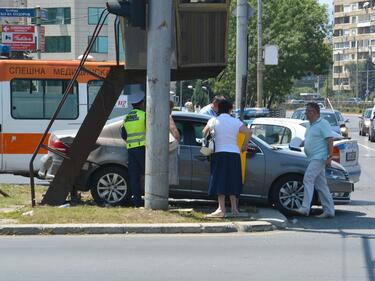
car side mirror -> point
(294, 148)
(347, 121)
(296, 143)
(360, 117)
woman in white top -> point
(226, 178)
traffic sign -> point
(17, 12)
(18, 28)
(19, 37)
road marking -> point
(369, 148)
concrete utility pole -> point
(241, 50)
(260, 58)
(38, 21)
(157, 110)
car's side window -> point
(197, 132)
(180, 128)
(272, 134)
(287, 136)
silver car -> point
(273, 174)
(365, 122)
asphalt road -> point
(292, 256)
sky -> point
(329, 2)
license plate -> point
(351, 156)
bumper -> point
(340, 186)
(354, 173)
(48, 167)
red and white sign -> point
(18, 28)
(19, 37)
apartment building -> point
(353, 40)
(69, 27)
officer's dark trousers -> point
(136, 170)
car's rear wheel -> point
(287, 194)
(109, 186)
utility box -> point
(199, 37)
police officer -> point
(135, 128)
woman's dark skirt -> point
(226, 177)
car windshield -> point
(330, 117)
(368, 113)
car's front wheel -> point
(109, 186)
(371, 137)
(287, 194)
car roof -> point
(321, 110)
(191, 115)
(274, 120)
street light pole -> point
(157, 109)
(241, 49)
(260, 58)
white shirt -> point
(226, 131)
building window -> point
(337, 32)
(94, 15)
(57, 44)
(100, 45)
(337, 69)
(38, 99)
(342, 45)
(56, 16)
(347, 8)
(338, 8)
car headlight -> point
(335, 174)
(367, 123)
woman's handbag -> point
(208, 143)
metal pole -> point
(260, 58)
(241, 49)
(157, 110)
(181, 83)
(366, 82)
(356, 71)
(38, 21)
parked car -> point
(273, 174)
(365, 121)
(334, 118)
(280, 132)
(371, 132)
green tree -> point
(299, 29)
(200, 97)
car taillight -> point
(58, 145)
(336, 154)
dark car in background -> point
(334, 118)
(274, 174)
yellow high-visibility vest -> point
(135, 126)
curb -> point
(177, 228)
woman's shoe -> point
(215, 215)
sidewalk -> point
(266, 219)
